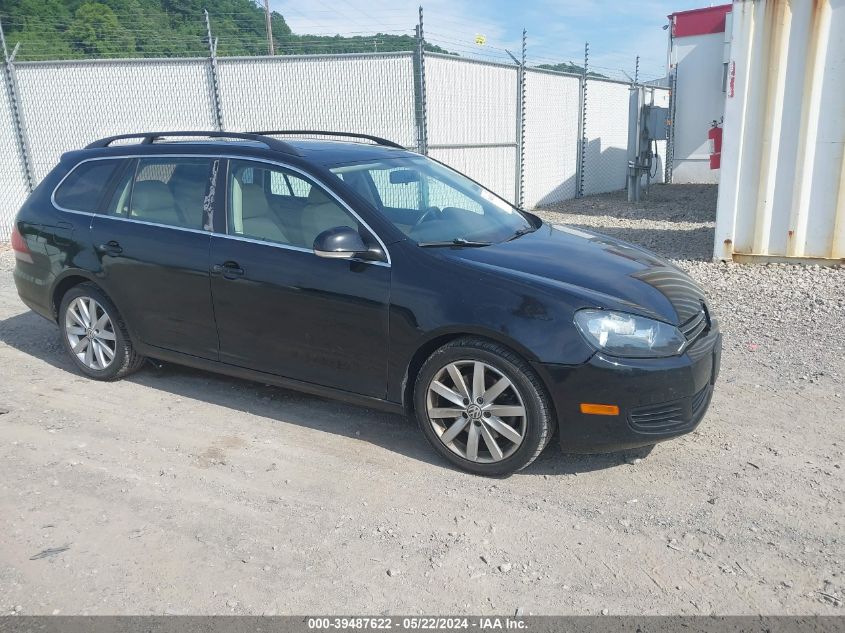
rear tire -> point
(95, 335)
(482, 407)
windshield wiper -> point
(521, 232)
(458, 241)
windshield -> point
(433, 204)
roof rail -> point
(151, 137)
(375, 139)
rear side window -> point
(174, 192)
(84, 187)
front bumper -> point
(658, 398)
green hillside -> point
(569, 67)
(56, 29)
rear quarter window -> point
(85, 185)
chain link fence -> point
(552, 140)
(13, 181)
(606, 137)
(66, 105)
(367, 94)
(472, 119)
(472, 115)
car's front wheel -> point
(95, 335)
(482, 407)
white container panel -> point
(782, 192)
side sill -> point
(270, 379)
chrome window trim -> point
(279, 163)
(148, 223)
(289, 247)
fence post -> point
(582, 128)
(14, 103)
(670, 140)
(420, 105)
(215, 82)
(519, 184)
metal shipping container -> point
(782, 189)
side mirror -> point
(340, 242)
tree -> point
(95, 30)
(569, 67)
(64, 29)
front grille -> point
(669, 417)
(692, 328)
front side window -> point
(84, 187)
(172, 191)
(273, 204)
(431, 203)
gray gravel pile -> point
(676, 221)
(787, 318)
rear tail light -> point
(22, 252)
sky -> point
(617, 31)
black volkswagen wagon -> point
(362, 271)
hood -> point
(607, 271)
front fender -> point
(434, 299)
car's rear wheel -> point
(482, 407)
(95, 335)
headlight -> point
(627, 335)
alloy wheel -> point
(90, 332)
(476, 411)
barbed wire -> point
(138, 36)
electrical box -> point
(656, 120)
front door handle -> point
(230, 270)
(111, 248)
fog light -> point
(599, 409)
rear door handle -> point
(230, 270)
(111, 248)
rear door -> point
(153, 245)
(282, 309)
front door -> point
(153, 247)
(282, 309)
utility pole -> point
(271, 49)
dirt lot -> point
(178, 491)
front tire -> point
(95, 335)
(482, 407)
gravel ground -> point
(788, 319)
(179, 491)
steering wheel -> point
(427, 215)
